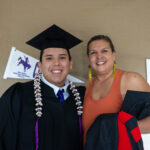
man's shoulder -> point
(27, 84)
(23, 85)
(18, 86)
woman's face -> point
(101, 57)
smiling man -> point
(55, 65)
(44, 114)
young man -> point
(36, 115)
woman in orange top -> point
(107, 90)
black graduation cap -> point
(54, 37)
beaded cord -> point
(38, 109)
(78, 104)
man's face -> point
(55, 65)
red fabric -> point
(136, 134)
(123, 140)
(124, 117)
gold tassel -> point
(90, 73)
(114, 70)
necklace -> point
(39, 104)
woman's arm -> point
(135, 82)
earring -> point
(90, 73)
(114, 69)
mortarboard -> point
(54, 37)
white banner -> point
(148, 70)
(74, 79)
(146, 137)
(23, 66)
(20, 65)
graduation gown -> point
(58, 126)
(120, 131)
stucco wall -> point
(125, 21)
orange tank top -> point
(108, 104)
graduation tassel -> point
(36, 134)
(80, 126)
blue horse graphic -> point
(25, 63)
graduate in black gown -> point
(32, 115)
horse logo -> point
(25, 63)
